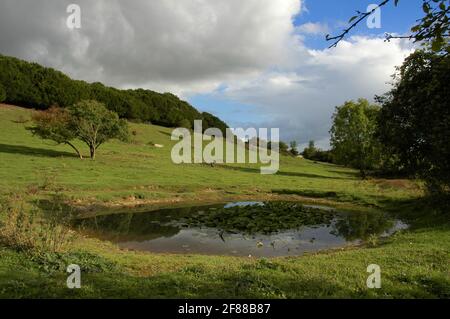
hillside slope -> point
(32, 85)
(414, 262)
(140, 172)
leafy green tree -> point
(94, 124)
(55, 124)
(34, 86)
(185, 124)
(310, 151)
(316, 154)
(431, 30)
(211, 121)
(414, 123)
(293, 148)
(353, 135)
(283, 148)
(323, 156)
(2, 93)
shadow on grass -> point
(297, 174)
(165, 133)
(32, 151)
(423, 212)
(280, 173)
(306, 193)
(356, 175)
(262, 280)
(419, 212)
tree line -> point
(34, 86)
(407, 131)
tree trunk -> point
(76, 150)
(92, 149)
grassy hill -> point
(414, 262)
(140, 170)
(34, 86)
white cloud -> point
(302, 100)
(312, 28)
(189, 45)
(249, 47)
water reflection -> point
(362, 225)
(200, 230)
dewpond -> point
(259, 229)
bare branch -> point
(362, 16)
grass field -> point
(415, 263)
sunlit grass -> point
(414, 263)
(143, 171)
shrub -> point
(2, 93)
(58, 262)
(26, 229)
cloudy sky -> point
(261, 63)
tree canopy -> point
(415, 118)
(55, 125)
(353, 136)
(33, 86)
(293, 145)
(94, 124)
(88, 121)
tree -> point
(316, 154)
(211, 121)
(184, 123)
(34, 86)
(283, 148)
(310, 151)
(353, 136)
(94, 124)
(2, 93)
(414, 122)
(432, 29)
(293, 148)
(55, 124)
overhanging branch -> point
(362, 16)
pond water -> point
(240, 229)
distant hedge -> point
(34, 86)
(2, 93)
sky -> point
(253, 63)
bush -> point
(316, 154)
(58, 262)
(2, 94)
(24, 228)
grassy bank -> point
(414, 263)
(140, 172)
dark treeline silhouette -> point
(34, 86)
